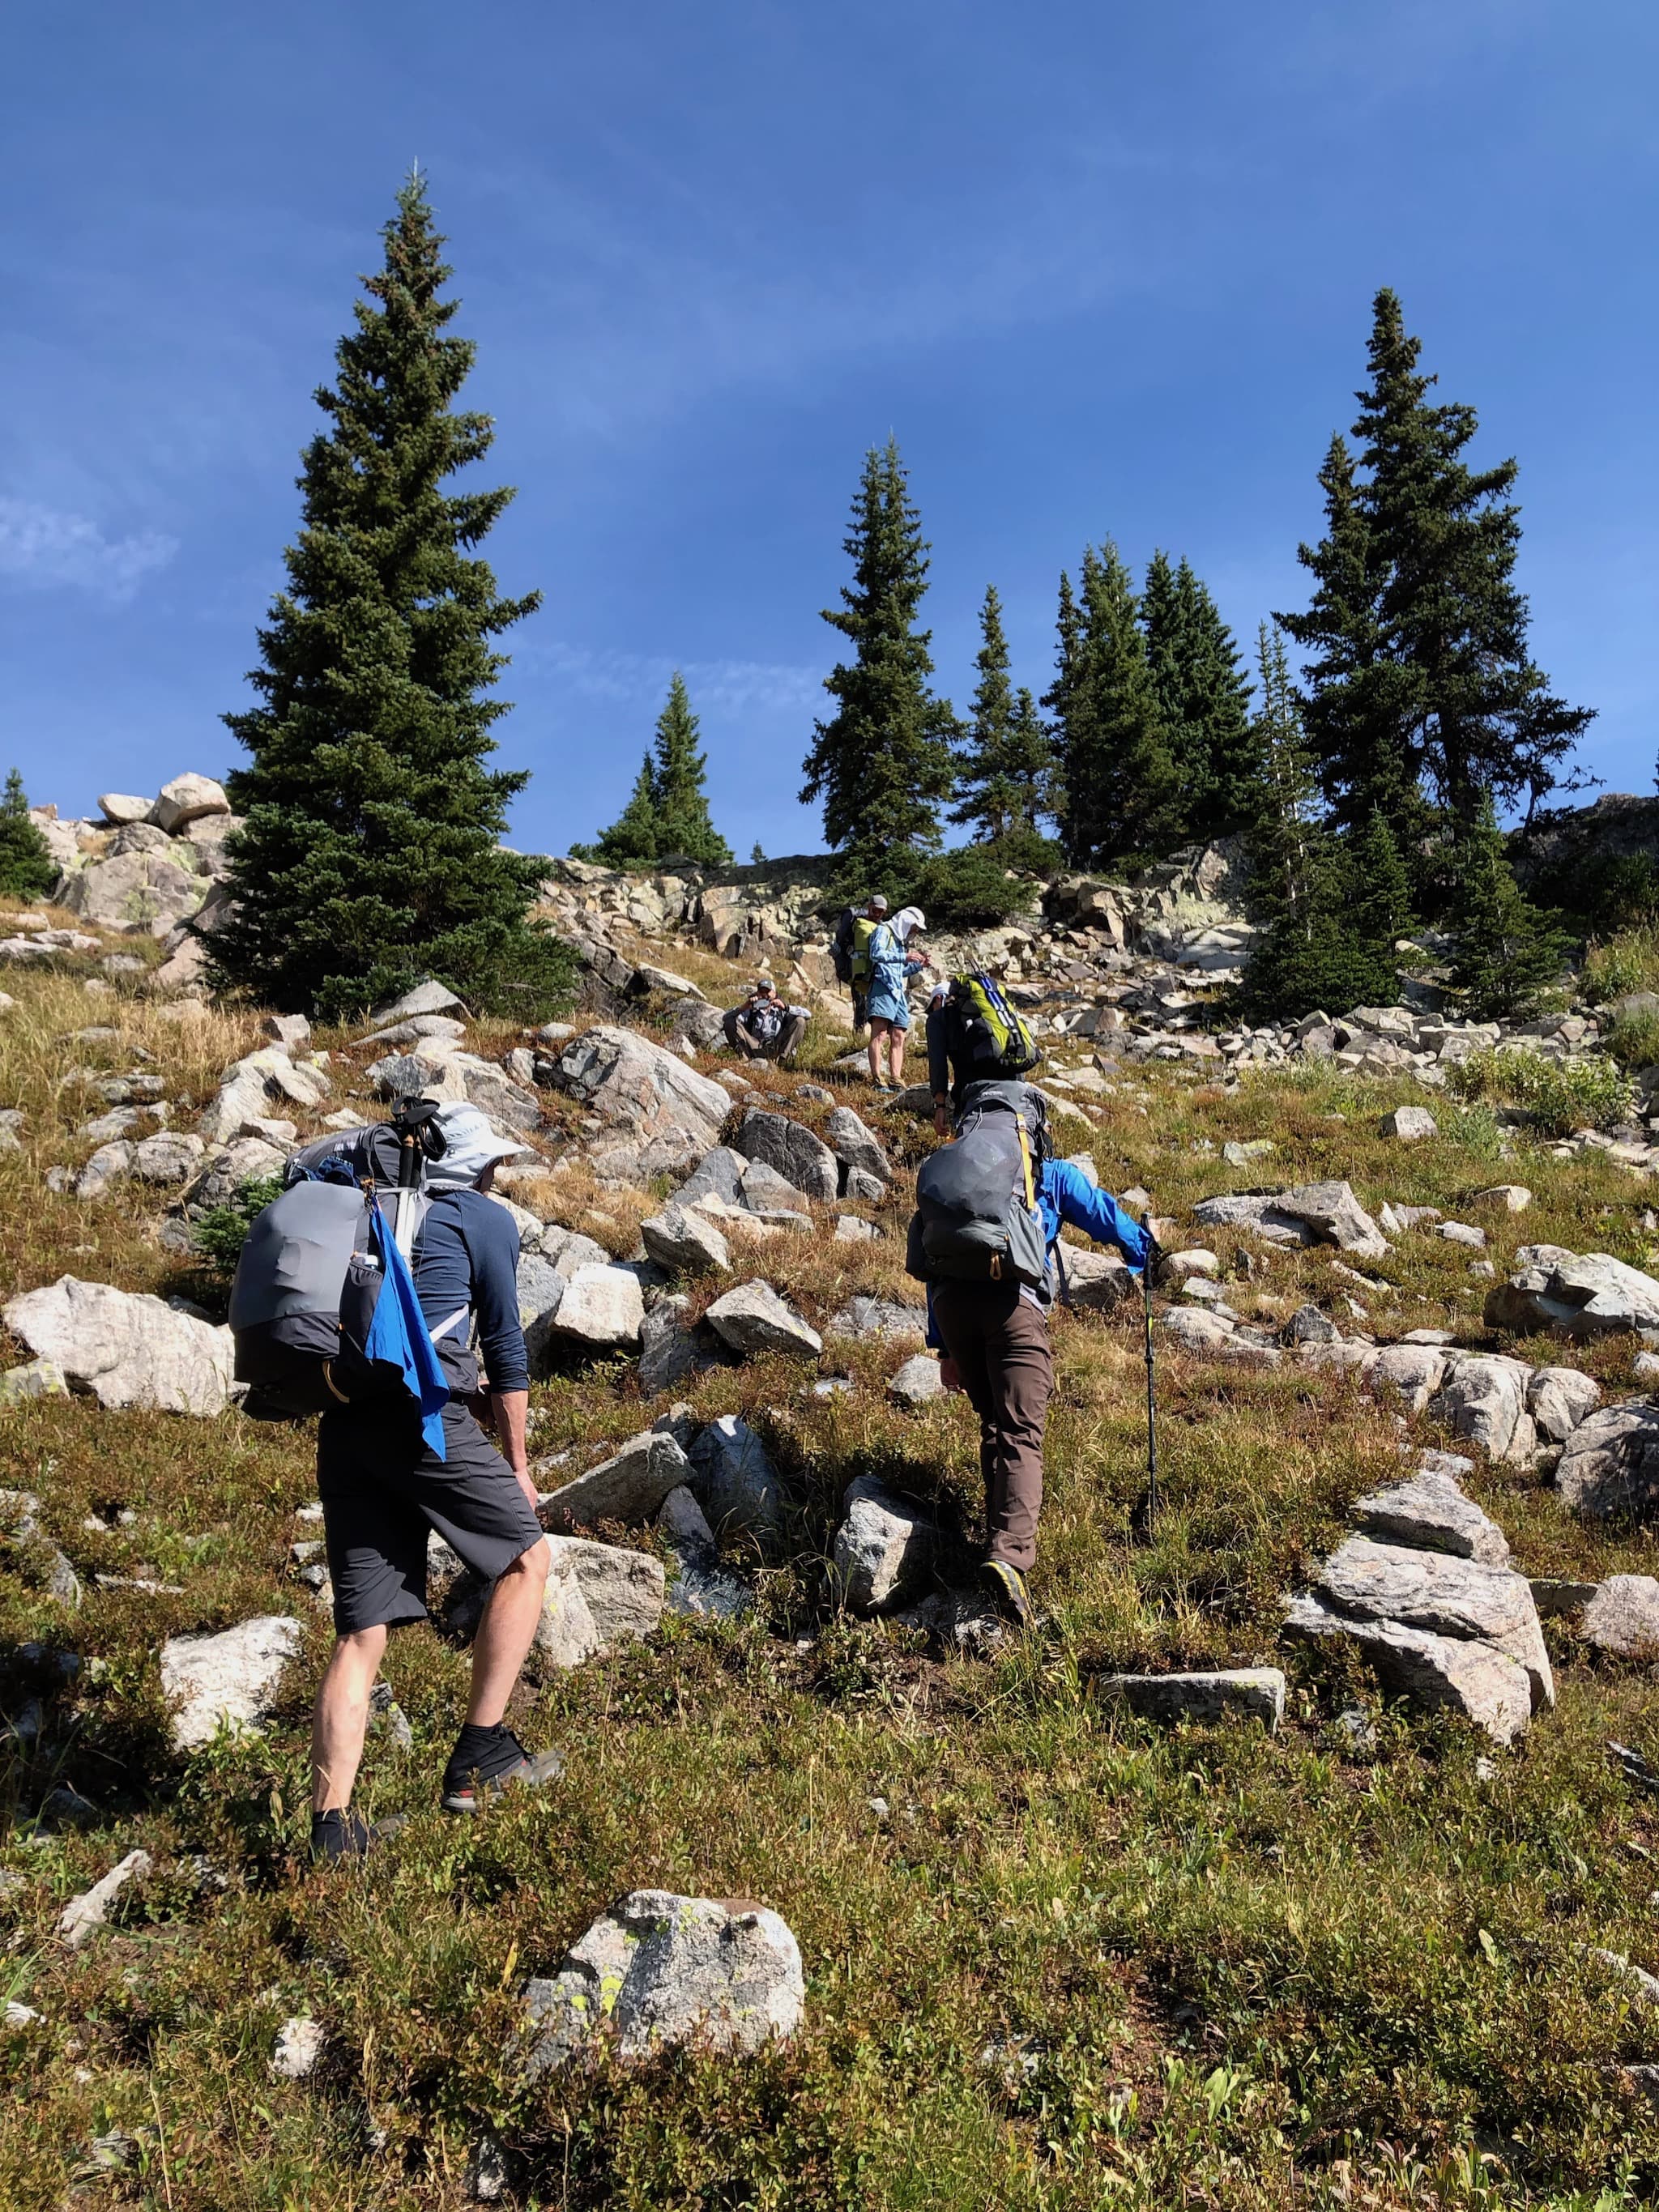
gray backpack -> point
(977, 1219)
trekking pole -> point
(1151, 1421)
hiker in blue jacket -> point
(384, 1492)
(894, 959)
(994, 1340)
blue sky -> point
(1101, 270)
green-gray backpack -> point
(977, 1217)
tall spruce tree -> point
(882, 763)
(1424, 703)
(1060, 700)
(26, 865)
(370, 853)
(1122, 798)
(683, 819)
(1204, 701)
(1285, 828)
(1002, 779)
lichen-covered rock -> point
(601, 1308)
(83, 1916)
(884, 1547)
(917, 1381)
(1435, 1672)
(804, 1160)
(1610, 1463)
(126, 1348)
(1485, 1400)
(869, 1320)
(622, 1589)
(1429, 1513)
(1442, 1595)
(640, 1088)
(659, 1970)
(133, 891)
(230, 1679)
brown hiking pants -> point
(998, 1342)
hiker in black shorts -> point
(384, 1493)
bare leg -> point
(896, 1056)
(877, 1032)
(505, 1635)
(341, 1716)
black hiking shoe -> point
(487, 1761)
(1005, 1587)
(336, 1835)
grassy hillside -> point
(1055, 1959)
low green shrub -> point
(1634, 1041)
(970, 888)
(1628, 962)
(223, 1230)
(1560, 1095)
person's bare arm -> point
(511, 1408)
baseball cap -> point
(878, 898)
(472, 1143)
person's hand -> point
(941, 1118)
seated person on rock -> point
(384, 1492)
(763, 1028)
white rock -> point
(1502, 1198)
(425, 998)
(1470, 1678)
(171, 1156)
(299, 2046)
(566, 1633)
(659, 1970)
(83, 1917)
(1410, 1124)
(126, 1347)
(107, 1169)
(917, 1381)
(601, 1307)
(117, 807)
(1195, 1330)
(640, 1088)
(227, 1680)
(883, 1548)
(1431, 1513)
(1622, 1618)
(186, 799)
(1485, 1400)
(630, 1486)
(1443, 1596)
(1413, 1371)
(622, 1590)
(753, 1318)
(1558, 1399)
(684, 1239)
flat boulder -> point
(1334, 1215)
(1410, 1124)
(639, 1088)
(660, 1970)
(871, 1320)
(1622, 1618)
(231, 1680)
(1442, 1595)
(1212, 1694)
(125, 1347)
(1433, 1672)
(753, 1318)
(427, 997)
(884, 1547)
(1610, 1463)
(187, 799)
(804, 1160)
(1429, 1513)
(686, 1242)
(601, 1308)
(629, 1487)
(1583, 1298)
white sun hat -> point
(472, 1144)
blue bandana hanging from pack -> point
(398, 1334)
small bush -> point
(223, 1231)
(968, 889)
(1634, 1042)
(1628, 962)
(1560, 1095)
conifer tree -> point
(370, 854)
(1059, 700)
(1204, 701)
(682, 804)
(632, 838)
(1285, 826)
(25, 863)
(1122, 799)
(882, 762)
(1508, 951)
(1424, 703)
(1002, 782)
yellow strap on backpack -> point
(1026, 1161)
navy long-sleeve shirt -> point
(467, 1255)
(1066, 1197)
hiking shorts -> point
(384, 1492)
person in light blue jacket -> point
(894, 959)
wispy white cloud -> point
(729, 687)
(45, 547)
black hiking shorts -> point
(383, 1492)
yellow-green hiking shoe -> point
(1005, 1586)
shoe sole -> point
(534, 1773)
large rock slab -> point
(1584, 1298)
(1429, 1513)
(133, 892)
(658, 1970)
(601, 1308)
(1485, 1400)
(126, 1347)
(884, 1547)
(188, 798)
(686, 1241)
(1558, 1399)
(640, 1089)
(753, 1318)
(230, 1679)
(1433, 1672)
(1610, 1463)
(427, 997)
(803, 1159)
(1622, 1618)
(1255, 1211)
(1335, 1217)
(251, 1087)
(627, 1487)
(870, 1320)
(622, 1590)
(734, 1480)
(1252, 1693)
(1443, 1596)
(857, 1145)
